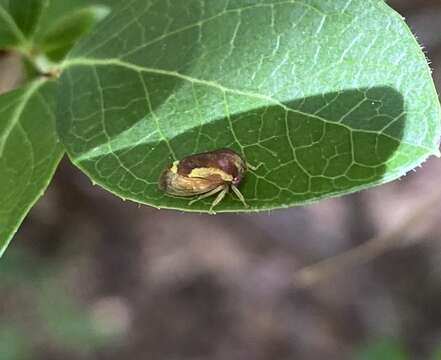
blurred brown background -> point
(91, 277)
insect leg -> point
(218, 198)
(239, 195)
(211, 192)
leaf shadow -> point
(309, 148)
(108, 113)
(123, 96)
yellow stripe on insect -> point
(204, 172)
(174, 168)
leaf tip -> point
(100, 11)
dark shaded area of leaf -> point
(26, 14)
(10, 34)
(65, 32)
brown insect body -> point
(204, 174)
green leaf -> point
(57, 9)
(437, 353)
(29, 152)
(25, 23)
(329, 96)
(13, 345)
(10, 34)
(384, 349)
(27, 14)
(65, 32)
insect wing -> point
(179, 185)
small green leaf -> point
(64, 33)
(58, 9)
(384, 349)
(27, 14)
(29, 152)
(69, 325)
(330, 97)
(10, 34)
(13, 345)
(437, 353)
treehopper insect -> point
(205, 174)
